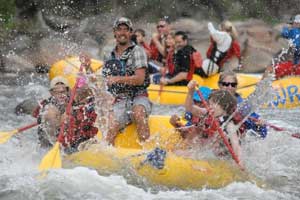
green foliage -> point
(7, 13)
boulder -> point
(26, 107)
(17, 64)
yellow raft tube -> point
(175, 95)
(287, 90)
(69, 66)
(287, 94)
(177, 173)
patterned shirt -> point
(133, 58)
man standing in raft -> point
(127, 78)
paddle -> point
(52, 159)
(161, 86)
(220, 131)
(276, 128)
(6, 135)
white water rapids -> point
(276, 160)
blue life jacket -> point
(293, 34)
(250, 124)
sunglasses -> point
(226, 84)
(160, 26)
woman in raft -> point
(228, 81)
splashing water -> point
(103, 101)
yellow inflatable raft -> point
(175, 95)
(287, 90)
(177, 172)
(287, 94)
(69, 66)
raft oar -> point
(220, 131)
(161, 86)
(6, 135)
(52, 159)
(276, 128)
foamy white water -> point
(276, 160)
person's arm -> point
(179, 77)
(189, 97)
(147, 49)
(35, 113)
(189, 103)
(285, 32)
(234, 140)
(237, 50)
(159, 45)
(216, 35)
(222, 38)
(136, 79)
(175, 121)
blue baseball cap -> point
(205, 91)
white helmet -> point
(58, 79)
(297, 19)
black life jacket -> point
(217, 58)
(118, 67)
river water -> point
(275, 160)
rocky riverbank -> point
(43, 32)
(28, 52)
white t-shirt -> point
(222, 38)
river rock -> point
(26, 107)
(17, 64)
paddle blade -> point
(5, 136)
(296, 135)
(276, 128)
(52, 159)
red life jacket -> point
(170, 61)
(296, 69)
(286, 68)
(234, 50)
(195, 62)
(211, 126)
(155, 54)
(37, 110)
(81, 125)
(147, 49)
